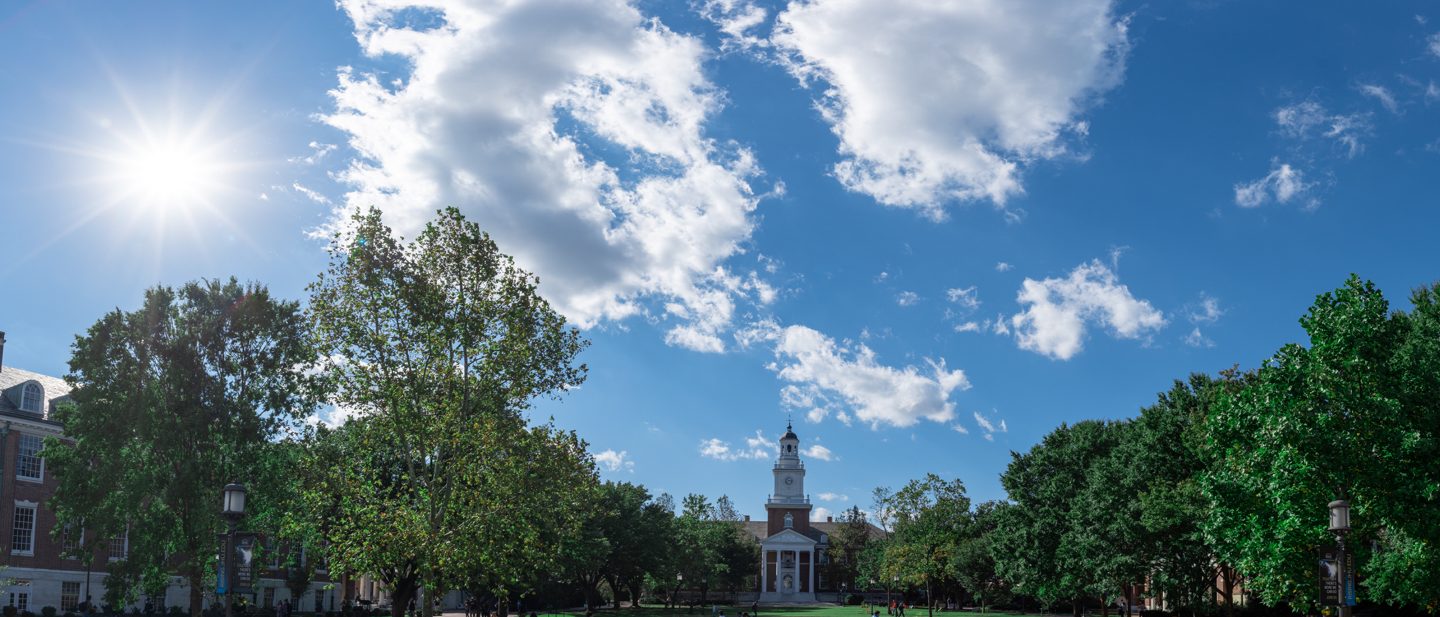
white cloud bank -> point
(936, 102)
(848, 380)
(1058, 309)
(574, 132)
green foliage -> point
(711, 552)
(623, 537)
(1355, 413)
(1049, 545)
(436, 347)
(217, 362)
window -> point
(22, 533)
(119, 546)
(789, 520)
(20, 595)
(72, 541)
(269, 597)
(31, 397)
(28, 464)
(70, 596)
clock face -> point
(789, 481)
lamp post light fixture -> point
(1340, 525)
(232, 507)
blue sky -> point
(929, 232)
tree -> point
(1044, 545)
(1162, 451)
(1355, 415)
(623, 536)
(217, 362)
(437, 346)
(929, 516)
(847, 544)
(974, 562)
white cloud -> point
(736, 18)
(757, 448)
(1003, 267)
(907, 298)
(960, 428)
(1380, 93)
(1303, 119)
(848, 379)
(936, 102)
(819, 452)
(1057, 309)
(1433, 43)
(611, 460)
(832, 497)
(967, 298)
(1196, 339)
(1207, 310)
(314, 196)
(318, 151)
(820, 514)
(968, 326)
(1283, 183)
(506, 112)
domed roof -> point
(789, 433)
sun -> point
(167, 173)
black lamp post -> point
(1340, 525)
(233, 509)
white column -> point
(764, 570)
(814, 565)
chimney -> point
(747, 518)
(2, 351)
(829, 519)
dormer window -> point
(31, 397)
(789, 521)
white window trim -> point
(41, 478)
(41, 408)
(79, 545)
(34, 525)
(110, 552)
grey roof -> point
(760, 529)
(13, 379)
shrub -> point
(48, 611)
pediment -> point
(791, 537)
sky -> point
(927, 233)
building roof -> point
(12, 381)
(760, 529)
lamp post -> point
(1340, 525)
(232, 508)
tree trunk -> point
(1075, 610)
(400, 597)
(614, 592)
(636, 587)
(1104, 607)
(196, 595)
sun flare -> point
(168, 174)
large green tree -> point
(437, 346)
(624, 535)
(218, 363)
(1354, 414)
(1046, 546)
(930, 519)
